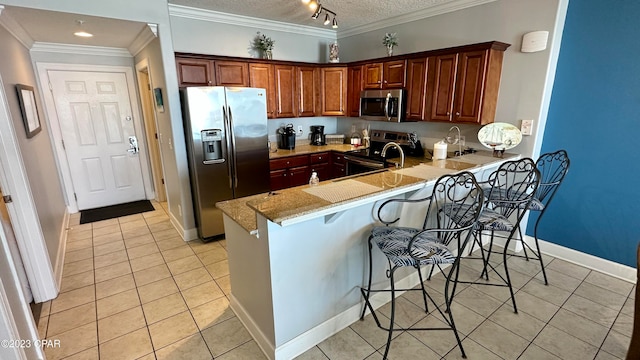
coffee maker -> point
(287, 137)
(317, 135)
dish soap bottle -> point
(313, 181)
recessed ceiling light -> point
(81, 32)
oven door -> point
(356, 165)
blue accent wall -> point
(595, 115)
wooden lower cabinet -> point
(288, 172)
(321, 163)
(337, 165)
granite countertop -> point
(284, 206)
(311, 149)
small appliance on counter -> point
(287, 137)
(317, 135)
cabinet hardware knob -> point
(448, 113)
(457, 114)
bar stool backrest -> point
(513, 186)
(553, 168)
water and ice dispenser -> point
(212, 146)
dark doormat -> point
(114, 211)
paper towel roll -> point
(439, 150)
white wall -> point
(293, 43)
(37, 153)
(524, 75)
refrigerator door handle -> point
(233, 146)
(227, 136)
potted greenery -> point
(264, 44)
(390, 40)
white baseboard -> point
(267, 347)
(186, 234)
(608, 267)
(316, 335)
(62, 249)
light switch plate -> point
(526, 127)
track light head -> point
(335, 23)
(317, 13)
(326, 19)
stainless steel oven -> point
(354, 164)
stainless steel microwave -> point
(382, 105)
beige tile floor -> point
(132, 289)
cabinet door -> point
(193, 72)
(393, 74)
(323, 170)
(299, 175)
(372, 76)
(469, 86)
(355, 87)
(285, 86)
(333, 84)
(307, 91)
(416, 88)
(232, 73)
(279, 179)
(444, 78)
(261, 76)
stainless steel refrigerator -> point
(226, 134)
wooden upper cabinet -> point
(393, 74)
(333, 87)
(387, 75)
(463, 87)
(372, 76)
(442, 78)
(232, 73)
(261, 76)
(469, 86)
(194, 72)
(285, 90)
(416, 88)
(354, 84)
(307, 91)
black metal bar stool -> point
(455, 204)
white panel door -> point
(96, 123)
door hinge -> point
(63, 147)
(156, 135)
(162, 181)
(149, 86)
(7, 199)
(50, 87)
(75, 196)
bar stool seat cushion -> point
(393, 242)
(488, 220)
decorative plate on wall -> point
(500, 136)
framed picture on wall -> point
(157, 93)
(29, 109)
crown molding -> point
(15, 29)
(143, 39)
(241, 20)
(440, 9)
(80, 49)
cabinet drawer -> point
(319, 157)
(288, 162)
(337, 158)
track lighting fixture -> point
(314, 5)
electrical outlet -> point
(526, 127)
(300, 131)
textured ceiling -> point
(351, 13)
(57, 27)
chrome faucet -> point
(392, 144)
(455, 140)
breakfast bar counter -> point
(297, 270)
